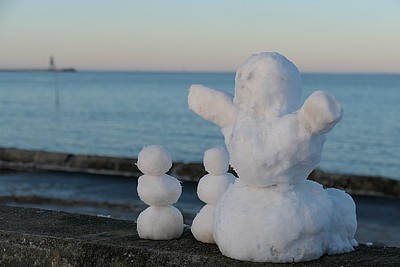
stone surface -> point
(32, 237)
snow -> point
(272, 213)
(264, 111)
(154, 160)
(281, 223)
(203, 224)
(209, 189)
(267, 84)
(160, 221)
(320, 112)
(159, 190)
(216, 161)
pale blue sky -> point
(207, 35)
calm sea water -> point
(116, 114)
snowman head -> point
(267, 84)
(216, 161)
(154, 160)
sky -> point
(341, 36)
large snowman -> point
(272, 212)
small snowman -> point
(210, 188)
(160, 221)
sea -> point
(117, 113)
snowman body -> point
(160, 221)
(284, 223)
(210, 188)
(272, 213)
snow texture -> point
(265, 130)
(272, 213)
(283, 223)
(160, 221)
(159, 190)
(210, 188)
(203, 224)
(154, 160)
(216, 161)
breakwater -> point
(28, 160)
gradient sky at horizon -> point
(354, 36)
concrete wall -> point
(32, 237)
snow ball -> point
(160, 223)
(154, 160)
(203, 224)
(211, 188)
(159, 190)
(216, 161)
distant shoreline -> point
(29, 160)
(189, 71)
(39, 70)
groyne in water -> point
(28, 160)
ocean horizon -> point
(113, 113)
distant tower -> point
(52, 65)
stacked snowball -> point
(210, 188)
(160, 221)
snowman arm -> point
(320, 112)
(212, 105)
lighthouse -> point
(52, 65)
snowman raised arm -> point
(320, 112)
(256, 120)
(212, 105)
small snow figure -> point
(160, 221)
(271, 212)
(210, 188)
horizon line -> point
(72, 69)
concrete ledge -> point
(32, 237)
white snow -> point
(216, 161)
(272, 213)
(209, 189)
(159, 190)
(203, 224)
(154, 160)
(281, 223)
(320, 112)
(160, 221)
